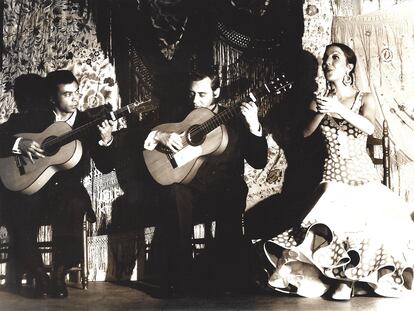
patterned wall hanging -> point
(384, 45)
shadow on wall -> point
(305, 157)
(138, 207)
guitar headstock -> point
(278, 85)
(143, 106)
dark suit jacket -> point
(227, 169)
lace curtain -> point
(384, 44)
(357, 7)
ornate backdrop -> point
(126, 50)
(384, 43)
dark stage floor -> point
(108, 296)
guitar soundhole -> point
(195, 135)
(49, 147)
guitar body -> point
(64, 151)
(32, 177)
(204, 135)
(165, 169)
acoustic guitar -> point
(204, 135)
(63, 151)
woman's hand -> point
(329, 104)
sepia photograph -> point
(207, 155)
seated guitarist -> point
(218, 189)
(63, 199)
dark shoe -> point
(58, 290)
(13, 288)
(58, 287)
(41, 284)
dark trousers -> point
(183, 205)
(61, 205)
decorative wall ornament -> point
(169, 22)
(263, 28)
(386, 55)
(311, 10)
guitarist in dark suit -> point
(63, 199)
(218, 189)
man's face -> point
(67, 97)
(202, 95)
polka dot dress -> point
(358, 229)
(347, 161)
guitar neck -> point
(232, 111)
(81, 130)
(74, 134)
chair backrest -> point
(384, 160)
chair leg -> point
(141, 254)
(84, 262)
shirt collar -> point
(70, 121)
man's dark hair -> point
(54, 78)
(29, 92)
(197, 75)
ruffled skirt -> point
(353, 233)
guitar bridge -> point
(20, 163)
(171, 158)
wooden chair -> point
(45, 245)
(4, 246)
(384, 160)
(78, 274)
(202, 234)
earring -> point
(347, 80)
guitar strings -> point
(74, 132)
(221, 117)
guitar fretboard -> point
(233, 110)
(76, 133)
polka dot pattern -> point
(347, 259)
(347, 161)
(341, 239)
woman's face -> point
(335, 65)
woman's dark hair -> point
(349, 55)
(348, 52)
